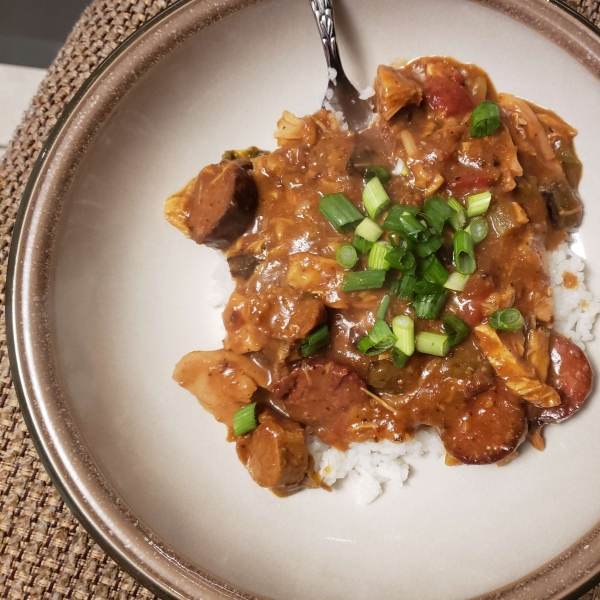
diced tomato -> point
(448, 94)
(469, 183)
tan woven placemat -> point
(44, 552)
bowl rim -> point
(192, 581)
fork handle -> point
(323, 11)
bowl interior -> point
(131, 297)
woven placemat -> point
(44, 552)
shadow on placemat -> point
(44, 552)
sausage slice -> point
(324, 395)
(570, 375)
(490, 430)
(275, 452)
(223, 204)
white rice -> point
(575, 309)
(367, 93)
(370, 466)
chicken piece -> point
(285, 314)
(501, 299)
(518, 375)
(490, 429)
(177, 208)
(536, 351)
(316, 275)
(221, 380)
(242, 335)
(530, 136)
(291, 128)
(275, 452)
(527, 132)
(394, 90)
(222, 204)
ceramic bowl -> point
(105, 297)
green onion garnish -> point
(406, 289)
(401, 259)
(436, 212)
(363, 280)
(362, 246)
(377, 171)
(407, 225)
(318, 339)
(375, 198)
(404, 330)
(399, 358)
(377, 256)
(340, 212)
(369, 230)
(464, 253)
(434, 271)
(457, 282)
(392, 220)
(507, 319)
(485, 119)
(478, 228)
(433, 244)
(477, 204)
(428, 305)
(244, 419)
(456, 329)
(379, 340)
(432, 343)
(346, 256)
(459, 219)
(385, 302)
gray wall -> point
(32, 31)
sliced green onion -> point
(456, 329)
(340, 212)
(434, 270)
(318, 339)
(377, 171)
(432, 343)
(404, 330)
(427, 287)
(436, 212)
(485, 119)
(401, 259)
(363, 280)
(346, 256)
(407, 225)
(375, 198)
(244, 419)
(477, 204)
(399, 358)
(377, 256)
(478, 228)
(457, 282)
(459, 219)
(385, 302)
(380, 339)
(392, 220)
(364, 345)
(369, 230)
(406, 287)
(433, 244)
(362, 246)
(464, 253)
(429, 305)
(507, 319)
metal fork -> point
(341, 95)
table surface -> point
(44, 552)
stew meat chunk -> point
(391, 279)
